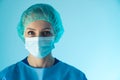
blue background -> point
(91, 41)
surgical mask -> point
(39, 47)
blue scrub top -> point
(59, 71)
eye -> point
(31, 33)
(46, 33)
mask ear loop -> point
(53, 32)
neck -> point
(40, 62)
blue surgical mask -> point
(39, 47)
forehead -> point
(39, 25)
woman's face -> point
(39, 28)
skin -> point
(36, 29)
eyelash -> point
(32, 33)
(46, 33)
(43, 34)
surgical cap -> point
(43, 12)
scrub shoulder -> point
(9, 69)
(73, 72)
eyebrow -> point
(31, 29)
(46, 28)
(35, 29)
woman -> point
(39, 28)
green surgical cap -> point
(43, 12)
